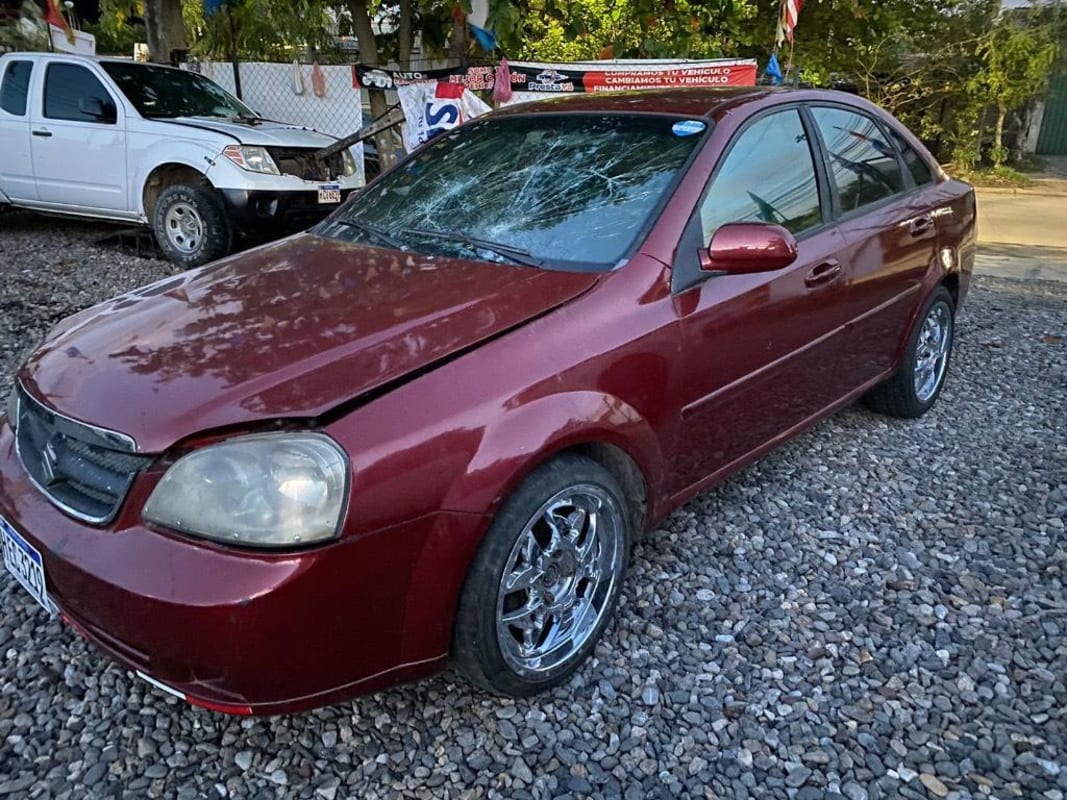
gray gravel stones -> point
(874, 611)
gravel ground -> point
(876, 610)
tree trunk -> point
(368, 55)
(1018, 151)
(165, 28)
(998, 136)
(404, 39)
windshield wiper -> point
(516, 254)
(370, 230)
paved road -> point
(1023, 234)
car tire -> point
(535, 601)
(917, 384)
(190, 225)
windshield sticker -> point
(688, 127)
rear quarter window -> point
(15, 87)
(916, 164)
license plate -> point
(330, 193)
(24, 562)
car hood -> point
(291, 329)
(263, 132)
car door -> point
(887, 220)
(78, 139)
(760, 351)
(16, 165)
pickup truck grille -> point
(301, 162)
(84, 470)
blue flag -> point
(773, 69)
(486, 39)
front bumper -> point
(255, 211)
(236, 631)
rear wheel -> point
(546, 580)
(916, 385)
(190, 225)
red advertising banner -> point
(739, 74)
(574, 78)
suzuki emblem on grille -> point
(48, 463)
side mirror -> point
(741, 248)
(99, 109)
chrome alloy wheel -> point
(559, 578)
(932, 350)
(184, 227)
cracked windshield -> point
(563, 192)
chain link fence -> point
(323, 96)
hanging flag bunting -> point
(774, 69)
(212, 7)
(486, 39)
(502, 82)
(53, 17)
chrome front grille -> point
(84, 470)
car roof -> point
(698, 101)
(22, 56)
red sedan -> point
(430, 429)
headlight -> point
(268, 490)
(254, 159)
(350, 163)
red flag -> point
(53, 17)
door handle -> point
(43, 133)
(921, 226)
(823, 274)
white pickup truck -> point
(126, 141)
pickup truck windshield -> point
(560, 191)
(166, 92)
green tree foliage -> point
(1017, 53)
(936, 64)
(28, 32)
(589, 29)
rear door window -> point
(15, 87)
(768, 175)
(72, 93)
(863, 163)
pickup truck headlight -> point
(273, 490)
(349, 162)
(252, 158)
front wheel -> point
(546, 580)
(916, 385)
(190, 225)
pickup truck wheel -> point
(546, 579)
(190, 225)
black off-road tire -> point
(897, 396)
(476, 651)
(197, 202)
